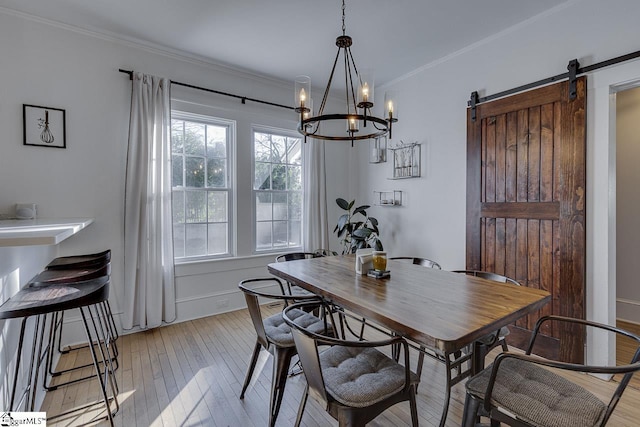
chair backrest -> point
(252, 297)
(307, 348)
(489, 276)
(294, 256)
(419, 261)
(324, 252)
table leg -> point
(447, 393)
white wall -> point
(62, 67)
(628, 203)
(432, 109)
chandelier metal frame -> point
(309, 125)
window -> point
(201, 187)
(277, 190)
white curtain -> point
(315, 228)
(149, 291)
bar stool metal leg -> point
(96, 364)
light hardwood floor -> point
(190, 374)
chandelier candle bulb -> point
(352, 125)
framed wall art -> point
(44, 126)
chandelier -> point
(358, 122)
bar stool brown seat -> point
(43, 301)
(68, 276)
(80, 261)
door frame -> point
(602, 87)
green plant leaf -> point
(362, 233)
(344, 218)
(350, 205)
(373, 221)
(343, 204)
(361, 209)
(378, 245)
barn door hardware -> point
(572, 74)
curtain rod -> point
(244, 99)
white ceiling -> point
(286, 38)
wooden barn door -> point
(526, 203)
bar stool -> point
(67, 276)
(80, 261)
(88, 261)
(42, 301)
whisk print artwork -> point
(44, 126)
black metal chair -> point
(518, 390)
(424, 262)
(353, 380)
(419, 261)
(273, 335)
(292, 288)
(324, 252)
(490, 341)
(296, 255)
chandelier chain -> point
(344, 28)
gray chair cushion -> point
(360, 377)
(539, 396)
(278, 331)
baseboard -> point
(628, 310)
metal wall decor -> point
(43, 126)
(358, 122)
(406, 161)
(388, 198)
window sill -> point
(207, 266)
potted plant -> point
(356, 229)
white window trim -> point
(288, 133)
(231, 188)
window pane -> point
(263, 207)
(196, 206)
(295, 206)
(196, 239)
(194, 138)
(177, 168)
(262, 147)
(177, 136)
(280, 206)
(177, 206)
(278, 145)
(263, 235)
(262, 176)
(217, 173)
(294, 150)
(201, 181)
(295, 232)
(194, 171)
(216, 141)
(295, 178)
(217, 206)
(178, 240)
(217, 238)
(280, 234)
(279, 177)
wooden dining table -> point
(443, 311)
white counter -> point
(27, 232)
